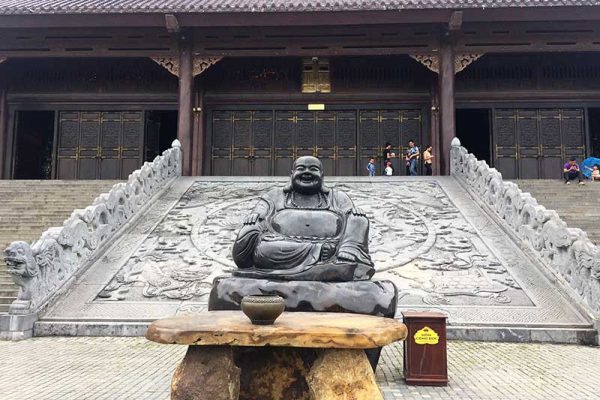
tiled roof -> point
(193, 6)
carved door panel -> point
(573, 134)
(109, 150)
(528, 144)
(550, 144)
(132, 142)
(325, 141)
(410, 129)
(90, 128)
(99, 145)
(262, 143)
(284, 139)
(505, 142)
(368, 139)
(305, 133)
(242, 143)
(345, 142)
(67, 157)
(222, 140)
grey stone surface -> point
(46, 268)
(428, 236)
(567, 252)
(134, 368)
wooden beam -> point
(447, 110)
(186, 82)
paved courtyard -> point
(133, 368)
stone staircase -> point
(29, 207)
(577, 205)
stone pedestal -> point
(303, 356)
(378, 298)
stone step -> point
(6, 300)
(3, 308)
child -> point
(389, 171)
(371, 167)
(595, 173)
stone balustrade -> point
(45, 268)
(567, 252)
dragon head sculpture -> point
(20, 261)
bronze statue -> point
(304, 232)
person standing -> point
(413, 157)
(371, 167)
(388, 154)
(571, 172)
(427, 160)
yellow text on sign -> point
(316, 107)
(426, 336)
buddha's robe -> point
(281, 241)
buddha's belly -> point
(307, 223)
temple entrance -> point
(474, 131)
(161, 130)
(266, 142)
(533, 143)
(34, 141)
(99, 145)
(594, 129)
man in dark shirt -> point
(388, 155)
(571, 172)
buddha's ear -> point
(287, 188)
(325, 189)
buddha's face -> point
(307, 175)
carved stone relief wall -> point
(566, 251)
(418, 239)
(47, 266)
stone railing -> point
(45, 268)
(567, 252)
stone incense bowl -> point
(263, 309)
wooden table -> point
(303, 356)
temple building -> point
(92, 89)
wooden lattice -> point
(432, 62)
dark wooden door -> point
(266, 142)
(99, 145)
(377, 127)
(534, 143)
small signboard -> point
(316, 107)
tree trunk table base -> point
(274, 373)
(303, 356)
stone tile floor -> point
(133, 368)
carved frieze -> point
(418, 239)
(461, 61)
(200, 64)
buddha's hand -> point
(251, 219)
(327, 251)
(358, 212)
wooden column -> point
(3, 133)
(447, 111)
(186, 83)
(198, 133)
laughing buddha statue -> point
(304, 232)
(308, 244)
